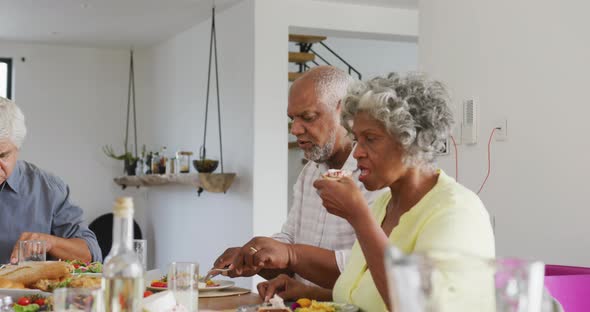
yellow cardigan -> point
(449, 217)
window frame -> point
(8, 62)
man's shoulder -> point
(33, 175)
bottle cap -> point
(123, 207)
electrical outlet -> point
(501, 133)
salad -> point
(32, 303)
(85, 267)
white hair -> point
(330, 84)
(12, 122)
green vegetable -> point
(29, 308)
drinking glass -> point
(441, 281)
(183, 282)
(78, 299)
(32, 250)
(140, 248)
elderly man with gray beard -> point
(314, 107)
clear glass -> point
(32, 250)
(446, 281)
(140, 248)
(78, 299)
(123, 272)
(184, 161)
(183, 282)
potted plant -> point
(129, 160)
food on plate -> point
(336, 174)
(304, 302)
(4, 283)
(275, 304)
(78, 281)
(85, 267)
(32, 303)
(316, 306)
(32, 272)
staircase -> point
(307, 55)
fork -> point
(210, 273)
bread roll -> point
(4, 283)
(31, 272)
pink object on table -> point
(570, 286)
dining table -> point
(229, 303)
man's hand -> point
(262, 253)
(285, 287)
(49, 243)
(226, 260)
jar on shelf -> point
(184, 161)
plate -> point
(340, 307)
(17, 293)
(222, 285)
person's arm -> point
(57, 247)
(73, 239)
(291, 289)
(70, 248)
(344, 199)
(315, 264)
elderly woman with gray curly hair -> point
(399, 122)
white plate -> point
(222, 285)
(17, 293)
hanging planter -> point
(129, 159)
(212, 182)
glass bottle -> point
(163, 160)
(122, 271)
(156, 163)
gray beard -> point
(320, 154)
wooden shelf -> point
(211, 182)
(306, 38)
(301, 57)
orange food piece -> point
(304, 302)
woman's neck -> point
(407, 191)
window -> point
(6, 78)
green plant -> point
(127, 156)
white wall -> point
(370, 57)
(74, 103)
(172, 92)
(272, 22)
(528, 61)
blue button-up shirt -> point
(32, 200)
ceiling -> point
(117, 23)
(114, 23)
(406, 4)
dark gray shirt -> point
(32, 200)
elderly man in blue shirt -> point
(35, 204)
